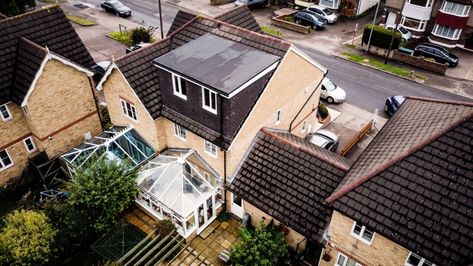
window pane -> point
(414, 259)
(214, 100)
(367, 235)
(350, 262)
(175, 83)
(341, 260)
(357, 229)
(5, 158)
(4, 112)
(183, 87)
(206, 98)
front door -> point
(205, 214)
(237, 205)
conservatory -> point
(120, 144)
(179, 185)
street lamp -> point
(161, 20)
(374, 22)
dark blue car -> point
(393, 103)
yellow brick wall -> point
(295, 77)
(115, 87)
(19, 156)
(62, 106)
(14, 128)
(382, 251)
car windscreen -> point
(243, 1)
(403, 30)
(398, 100)
(328, 11)
(329, 85)
(117, 4)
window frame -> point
(346, 260)
(456, 32)
(10, 116)
(421, 262)
(212, 98)
(180, 132)
(421, 27)
(35, 148)
(278, 116)
(125, 109)
(213, 147)
(2, 164)
(360, 236)
(465, 9)
(178, 90)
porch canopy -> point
(180, 180)
(121, 144)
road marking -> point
(351, 40)
(386, 89)
(351, 76)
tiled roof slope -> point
(289, 178)
(181, 18)
(138, 69)
(241, 17)
(414, 183)
(45, 27)
(28, 61)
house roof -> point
(47, 27)
(181, 18)
(217, 62)
(138, 69)
(289, 179)
(241, 17)
(414, 183)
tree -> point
(141, 34)
(101, 191)
(26, 238)
(264, 247)
(15, 7)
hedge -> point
(381, 37)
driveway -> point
(464, 70)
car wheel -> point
(298, 21)
(326, 21)
(330, 100)
(386, 108)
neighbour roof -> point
(414, 182)
(45, 27)
(137, 67)
(289, 179)
(220, 63)
(241, 17)
(181, 18)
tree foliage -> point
(100, 192)
(141, 34)
(26, 238)
(15, 7)
(264, 247)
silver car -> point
(331, 92)
(325, 139)
(327, 13)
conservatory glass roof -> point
(122, 144)
(180, 179)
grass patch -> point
(403, 72)
(81, 21)
(271, 31)
(122, 37)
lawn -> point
(122, 37)
(81, 21)
(271, 31)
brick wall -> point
(419, 62)
(281, 21)
(382, 251)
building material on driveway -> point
(283, 22)
(357, 138)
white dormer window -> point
(179, 86)
(129, 109)
(210, 148)
(416, 260)
(29, 144)
(278, 117)
(5, 160)
(5, 112)
(180, 132)
(209, 100)
(362, 233)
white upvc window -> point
(423, 3)
(362, 233)
(304, 126)
(210, 148)
(413, 24)
(29, 144)
(209, 100)
(333, 4)
(129, 109)
(5, 112)
(278, 116)
(446, 32)
(180, 132)
(455, 8)
(415, 260)
(5, 160)
(343, 260)
(179, 86)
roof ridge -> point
(270, 133)
(45, 49)
(48, 7)
(439, 100)
(347, 188)
(229, 11)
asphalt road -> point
(366, 88)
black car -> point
(116, 7)
(251, 4)
(438, 53)
(311, 19)
(393, 103)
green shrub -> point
(381, 37)
(164, 227)
(141, 34)
(323, 111)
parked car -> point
(331, 92)
(405, 34)
(393, 103)
(116, 7)
(327, 13)
(251, 4)
(325, 139)
(438, 53)
(136, 47)
(311, 19)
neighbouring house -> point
(408, 198)
(286, 178)
(199, 97)
(46, 91)
(349, 8)
(447, 23)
